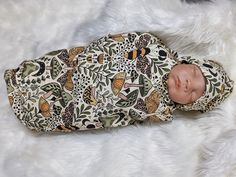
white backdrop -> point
(193, 145)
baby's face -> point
(185, 83)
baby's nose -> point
(187, 85)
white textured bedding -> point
(193, 145)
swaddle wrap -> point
(116, 80)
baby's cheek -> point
(172, 93)
(179, 97)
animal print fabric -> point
(116, 80)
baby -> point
(116, 80)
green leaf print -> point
(210, 88)
(54, 52)
(214, 91)
(112, 45)
(105, 49)
(217, 84)
(79, 70)
(83, 116)
(155, 69)
(113, 50)
(85, 71)
(214, 80)
(166, 69)
(96, 69)
(100, 48)
(104, 66)
(160, 71)
(111, 74)
(82, 107)
(107, 71)
(33, 100)
(91, 67)
(100, 68)
(83, 111)
(86, 112)
(39, 123)
(88, 107)
(107, 81)
(131, 99)
(93, 77)
(100, 77)
(81, 64)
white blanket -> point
(193, 145)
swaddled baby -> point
(116, 80)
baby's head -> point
(198, 84)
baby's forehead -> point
(192, 65)
(187, 65)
